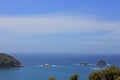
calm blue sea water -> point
(63, 66)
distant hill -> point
(7, 61)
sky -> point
(60, 26)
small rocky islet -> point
(7, 61)
(101, 63)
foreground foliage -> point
(118, 78)
(111, 73)
(74, 77)
(52, 78)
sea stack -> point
(7, 61)
(101, 63)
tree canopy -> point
(111, 73)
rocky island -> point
(7, 61)
(101, 63)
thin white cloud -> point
(56, 24)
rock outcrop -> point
(101, 63)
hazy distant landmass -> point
(7, 61)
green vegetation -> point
(111, 73)
(7, 61)
(52, 78)
(118, 78)
(74, 77)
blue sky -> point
(60, 26)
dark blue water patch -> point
(66, 59)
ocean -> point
(62, 66)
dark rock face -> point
(101, 63)
(7, 61)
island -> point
(101, 63)
(7, 61)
